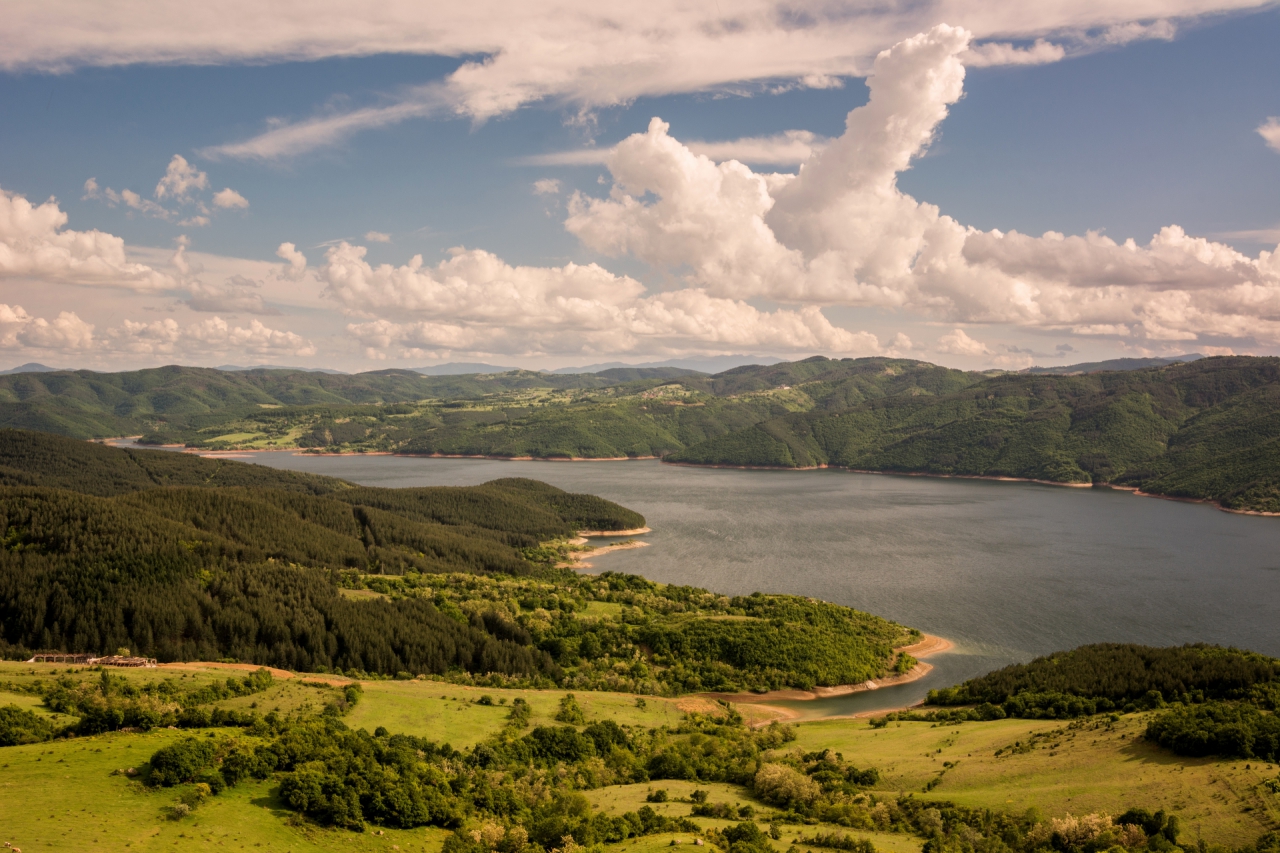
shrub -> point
(184, 761)
(19, 726)
(746, 837)
(570, 712)
(780, 785)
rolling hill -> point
(1205, 430)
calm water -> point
(1005, 570)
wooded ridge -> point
(178, 557)
(1203, 430)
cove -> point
(1006, 570)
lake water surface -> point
(1007, 571)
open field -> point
(61, 796)
(1058, 768)
(300, 694)
(447, 713)
(629, 798)
(1069, 770)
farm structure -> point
(93, 660)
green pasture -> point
(450, 713)
(618, 799)
(1092, 768)
(1058, 768)
(63, 796)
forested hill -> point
(183, 558)
(30, 458)
(1208, 429)
(1205, 429)
(180, 557)
(87, 404)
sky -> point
(976, 184)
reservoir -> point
(1005, 570)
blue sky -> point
(1124, 135)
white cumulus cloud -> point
(229, 198)
(841, 232)
(1004, 53)
(959, 343)
(474, 301)
(212, 336)
(66, 332)
(36, 245)
(181, 187)
(296, 261)
(180, 179)
(1269, 130)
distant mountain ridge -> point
(31, 367)
(461, 368)
(1111, 364)
(707, 364)
(235, 368)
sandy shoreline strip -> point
(578, 559)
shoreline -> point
(299, 451)
(991, 477)
(635, 531)
(929, 644)
(578, 559)
(514, 458)
(1137, 491)
(999, 479)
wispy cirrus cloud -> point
(574, 53)
(284, 139)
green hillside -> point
(183, 558)
(86, 404)
(1203, 430)
(1206, 430)
(615, 413)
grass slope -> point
(1058, 769)
(1094, 768)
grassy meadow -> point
(1092, 766)
(624, 798)
(64, 795)
(449, 713)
